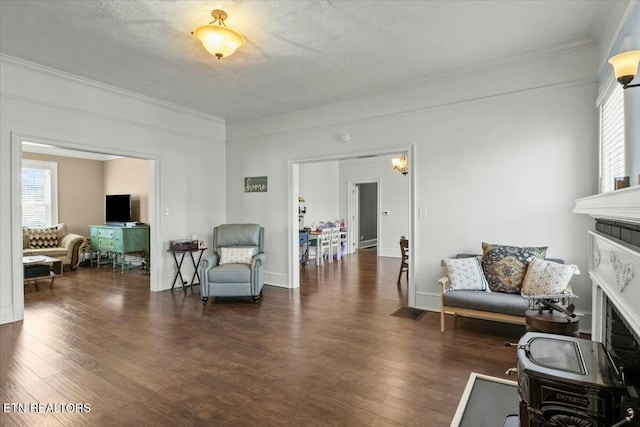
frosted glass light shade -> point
(401, 164)
(219, 41)
(625, 64)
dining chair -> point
(404, 263)
(335, 251)
(321, 246)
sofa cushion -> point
(465, 274)
(230, 273)
(43, 237)
(52, 252)
(505, 266)
(547, 277)
(495, 302)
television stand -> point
(120, 240)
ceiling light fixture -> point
(625, 67)
(218, 39)
(401, 164)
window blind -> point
(39, 194)
(612, 141)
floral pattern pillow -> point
(465, 274)
(505, 266)
(237, 255)
(547, 277)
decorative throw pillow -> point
(236, 255)
(547, 277)
(43, 237)
(505, 266)
(465, 274)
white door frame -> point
(293, 170)
(155, 244)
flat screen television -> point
(118, 208)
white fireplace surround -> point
(620, 205)
(614, 266)
(614, 269)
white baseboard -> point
(6, 314)
(367, 243)
(389, 253)
(276, 279)
(428, 301)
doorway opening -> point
(350, 174)
(63, 149)
(365, 215)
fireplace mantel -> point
(620, 205)
(614, 265)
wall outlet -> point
(422, 212)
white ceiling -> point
(297, 52)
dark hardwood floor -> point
(329, 353)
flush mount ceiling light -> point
(625, 67)
(217, 38)
(401, 164)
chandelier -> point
(217, 38)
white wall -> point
(187, 148)
(394, 197)
(318, 184)
(501, 153)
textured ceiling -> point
(297, 52)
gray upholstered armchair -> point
(236, 267)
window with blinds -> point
(39, 193)
(612, 142)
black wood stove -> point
(566, 381)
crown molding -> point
(534, 55)
(108, 88)
(111, 117)
(344, 123)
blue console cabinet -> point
(120, 240)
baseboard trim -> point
(276, 279)
(6, 314)
(368, 243)
(389, 253)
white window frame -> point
(52, 167)
(611, 87)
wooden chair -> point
(404, 264)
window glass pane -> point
(37, 195)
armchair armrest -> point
(258, 260)
(209, 261)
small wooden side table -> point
(195, 263)
(551, 323)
